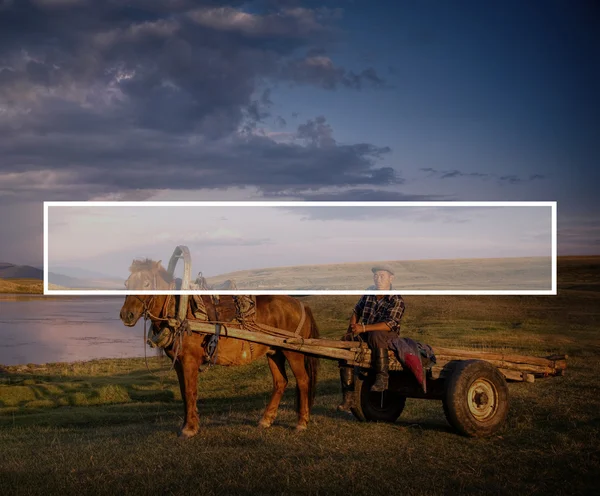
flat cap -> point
(379, 267)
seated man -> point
(376, 318)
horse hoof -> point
(301, 428)
(264, 424)
(187, 433)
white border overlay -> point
(245, 204)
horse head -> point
(145, 275)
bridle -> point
(147, 304)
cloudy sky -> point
(346, 100)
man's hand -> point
(357, 328)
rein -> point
(147, 314)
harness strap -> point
(302, 319)
(213, 342)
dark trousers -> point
(375, 339)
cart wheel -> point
(476, 399)
(371, 407)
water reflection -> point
(38, 329)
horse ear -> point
(157, 264)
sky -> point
(231, 238)
(260, 100)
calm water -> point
(34, 329)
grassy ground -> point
(22, 286)
(109, 426)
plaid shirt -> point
(389, 310)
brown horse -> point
(282, 312)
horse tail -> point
(311, 362)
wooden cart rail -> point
(513, 367)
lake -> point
(38, 329)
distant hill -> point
(454, 274)
(11, 271)
(62, 280)
(86, 279)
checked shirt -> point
(389, 310)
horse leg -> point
(180, 379)
(280, 381)
(187, 372)
(296, 361)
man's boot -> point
(347, 380)
(381, 362)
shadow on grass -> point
(140, 397)
(34, 391)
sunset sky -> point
(260, 100)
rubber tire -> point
(456, 402)
(367, 404)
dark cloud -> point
(159, 65)
(258, 110)
(320, 70)
(286, 22)
(364, 194)
(317, 133)
(106, 99)
(60, 163)
(511, 178)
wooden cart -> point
(472, 385)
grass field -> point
(24, 286)
(106, 427)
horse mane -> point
(147, 264)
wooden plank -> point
(443, 360)
(361, 355)
(557, 361)
(502, 364)
(266, 339)
(550, 365)
(331, 343)
(512, 375)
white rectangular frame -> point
(124, 292)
